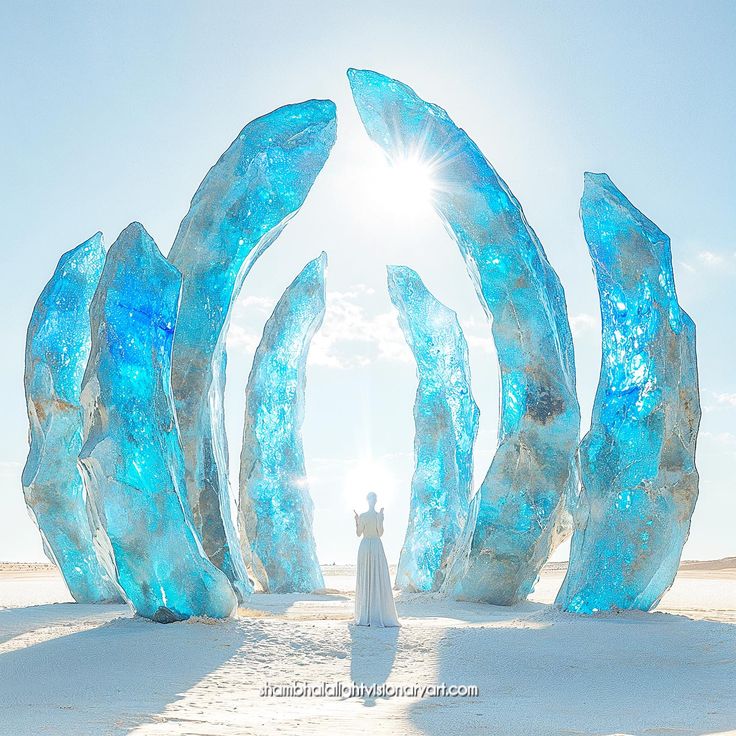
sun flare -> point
(409, 180)
(366, 475)
(403, 186)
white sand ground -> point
(72, 669)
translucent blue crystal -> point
(132, 459)
(639, 481)
(520, 513)
(275, 506)
(240, 208)
(57, 346)
(446, 424)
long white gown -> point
(374, 601)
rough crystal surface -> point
(520, 512)
(275, 506)
(57, 346)
(446, 424)
(639, 480)
(132, 459)
(240, 208)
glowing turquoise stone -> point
(520, 512)
(640, 483)
(132, 459)
(446, 424)
(275, 506)
(57, 348)
(240, 208)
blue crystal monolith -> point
(639, 480)
(520, 513)
(132, 459)
(240, 208)
(57, 346)
(275, 506)
(446, 424)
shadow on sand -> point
(20, 621)
(372, 655)
(107, 679)
(297, 605)
(555, 673)
(434, 606)
(539, 671)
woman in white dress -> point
(374, 601)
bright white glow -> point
(402, 187)
(364, 476)
(409, 181)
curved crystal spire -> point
(57, 347)
(240, 208)
(275, 506)
(639, 477)
(132, 458)
(520, 513)
(446, 424)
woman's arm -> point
(380, 523)
(358, 524)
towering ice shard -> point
(131, 458)
(275, 505)
(240, 208)
(519, 514)
(446, 422)
(637, 461)
(57, 346)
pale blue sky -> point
(113, 113)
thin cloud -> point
(350, 336)
(726, 400)
(581, 324)
(722, 439)
(709, 258)
(241, 339)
